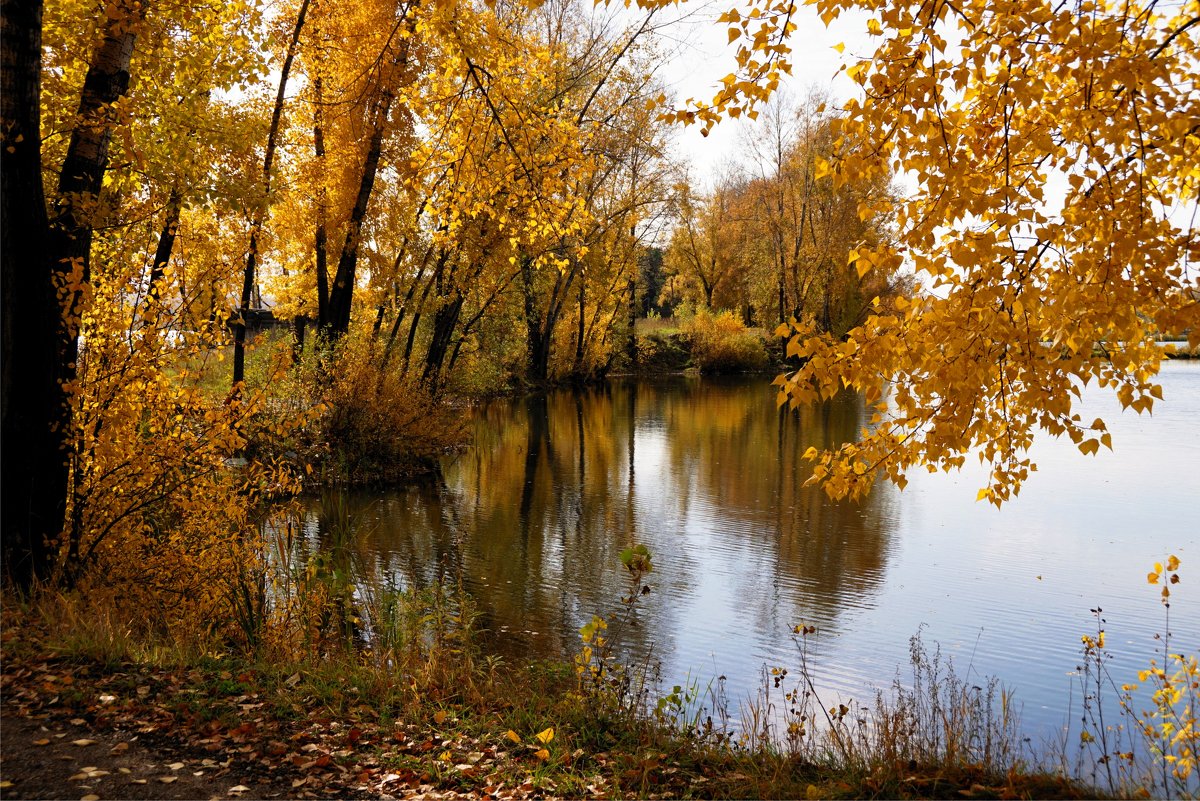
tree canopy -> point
(470, 189)
(1052, 151)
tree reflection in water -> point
(707, 474)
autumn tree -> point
(32, 358)
(1052, 226)
(709, 243)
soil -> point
(74, 728)
(49, 757)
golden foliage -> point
(1051, 146)
(722, 344)
(347, 419)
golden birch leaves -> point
(1052, 149)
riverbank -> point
(128, 719)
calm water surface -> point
(708, 475)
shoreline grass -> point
(452, 720)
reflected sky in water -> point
(708, 475)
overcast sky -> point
(703, 57)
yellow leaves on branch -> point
(1050, 148)
(763, 56)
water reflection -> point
(707, 474)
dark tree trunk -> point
(539, 328)
(32, 404)
(76, 212)
(299, 324)
(782, 299)
(162, 254)
(579, 332)
(341, 294)
(536, 356)
(260, 214)
(321, 239)
(631, 342)
(82, 174)
(444, 322)
(400, 314)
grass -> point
(392, 681)
(437, 712)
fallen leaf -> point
(83, 742)
(4, 785)
(119, 748)
(167, 779)
(90, 797)
(175, 765)
(512, 735)
(43, 741)
(238, 789)
(546, 736)
(543, 755)
(439, 717)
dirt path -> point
(49, 757)
(80, 729)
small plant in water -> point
(601, 676)
(1147, 751)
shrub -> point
(663, 350)
(364, 423)
(722, 344)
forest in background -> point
(426, 199)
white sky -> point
(704, 57)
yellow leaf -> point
(439, 717)
(512, 735)
(546, 736)
(1173, 563)
(543, 755)
(734, 33)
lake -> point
(707, 474)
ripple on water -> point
(708, 476)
